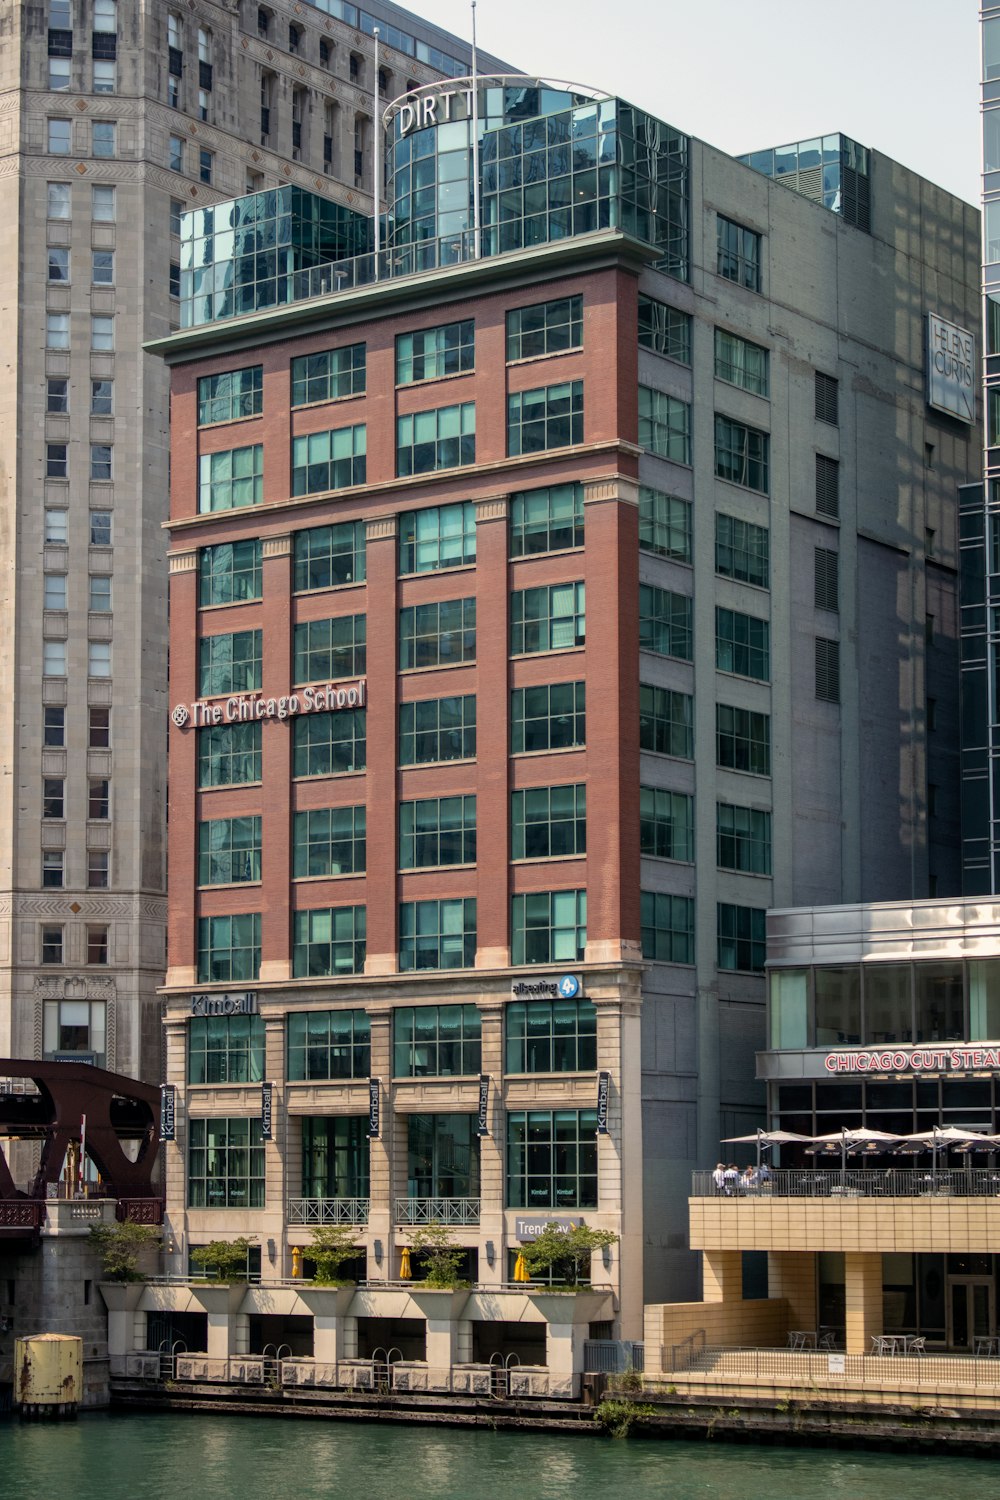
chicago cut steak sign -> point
(247, 708)
(919, 1060)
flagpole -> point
(476, 228)
(376, 165)
(83, 1148)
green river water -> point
(177, 1457)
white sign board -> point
(951, 369)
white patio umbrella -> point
(940, 1139)
(846, 1139)
(762, 1138)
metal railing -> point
(21, 1213)
(727, 1362)
(613, 1357)
(856, 1182)
(401, 260)
(328, 1210)
(437, 1210)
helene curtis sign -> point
(248, 708)
(918, 1060)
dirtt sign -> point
(247, 708)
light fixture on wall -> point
(491, 1253)
(377, 1252)
(272, 1251)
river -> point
(176, 1457)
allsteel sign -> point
(917, 1060)
(246, 708)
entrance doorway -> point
(971, 1310)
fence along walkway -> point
(858, 1182)
(807, 1368)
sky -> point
(901, 76)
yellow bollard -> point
(296, 1262)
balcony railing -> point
(328, 1210)
(437, 1210)
(857, 1182)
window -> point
(52, 945)
(437, 935)
(666, 721)
(102, 203)
(549, 417)
(232, 479)
(738, 256)
(57, 397)
(58, 201)
(98, 658)
(328, 1044)
(545, 328)
(325, 50)
(58, 263)
(56, 527)
(432, 353)
(664, 425)
(664, 524)
(329, 744)
(550, 618)
(826, 580)
(52, 869)
(237, 393)
(742, 938)
(99, 728)
(59, 138)
(326, 649)
(53, 727)
(666, 824)
(667, 927)
(97, 945)
(741, 363)
(102, 335)
(103, 142)
(437, 635)
(56, 460)
(552, 1159)
(100, 528)
(229, 755)
(742, 645)
(99, 799)
(742, 740)
(436, 1041)
(228, 850)
(54, 594)
(549, 927)
(664, 622)
(177, 207)
(827, 670)
(329, 376)
(664, 330)
(102, 398)
(229, 573)
(98, 861)
(102, 267)
(53, 797)
(743, 839)
(440, 439)
(827, 486)
(329, 460)
(443, 536)
(100, 594)
(329, 556)
(437, 729)
(175, 153)
(827, 389)
(551, 1036)
(550, 717)
(742, 550)
(54, 658)
(59, 73)
(329, 841)
(100, 461)
(549, 822)
(225, 1163)
(742, 454)
(229, 663)
(57, 330)
(437, 831)
(74, 1027)
(226, 1049)
(229, 948)
(328, 941)
(105, 16)
(546, 520)
(205, 160)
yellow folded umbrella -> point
(405, 1269)
(521, 1272)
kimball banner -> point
(168, 1102)
(603, 1090)
(484, 1104)
(374, 1108)
(266, 1113)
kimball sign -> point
(919, 1060)
(248, 708)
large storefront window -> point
(442, 1156)
(335, 1156)
(552, 1159)
(885, 1004)
(225, 1164)
(226, 1049)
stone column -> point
(380, 1150)
(382, 634)
(492, 736)
(863, 1296)
(722, 1278)
(491, 1149)
(793, 1277)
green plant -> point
(331, 1250)
(121, 1245)
(560, 1251)
(628, 1383)
(227, 1259)
(617, 1417)
(442, 1258)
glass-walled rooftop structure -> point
(830, 169)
